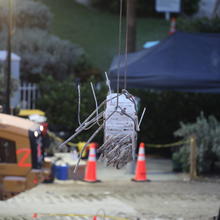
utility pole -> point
(131, 25)
(8, 67)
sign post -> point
(168, 6)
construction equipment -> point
(37, 116)
(22, 163)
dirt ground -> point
(173, 198)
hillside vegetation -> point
(97, 31)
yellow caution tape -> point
(52, 135)
(80, 144)
(82, 215)
(168, 145)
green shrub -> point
(205, 25)
(166, 109)
(43, 54)
(59, 99)
(84, 69)
(26, 13)
(207, 131)
(181, 160)
(190, 7)
(144, 7)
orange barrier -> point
(90, 175)
(172, 26)
(141, 168)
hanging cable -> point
(126, 49)
(79, 103)
(119, 48)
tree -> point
(44, 54)
(26, 13)
(207, 131)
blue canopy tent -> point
(187, 62)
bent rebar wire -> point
(117, 150)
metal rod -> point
(84, 125)
(108, 83)
(142, 115)
(80, 156)
(96, 103)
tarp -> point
(182, 62)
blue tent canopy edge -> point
(188, 62)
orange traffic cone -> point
(141, 168)
(90, 175)
(34, 215)
(172, 26)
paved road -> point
(167, 197)
(166, 200)
(157, 170)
